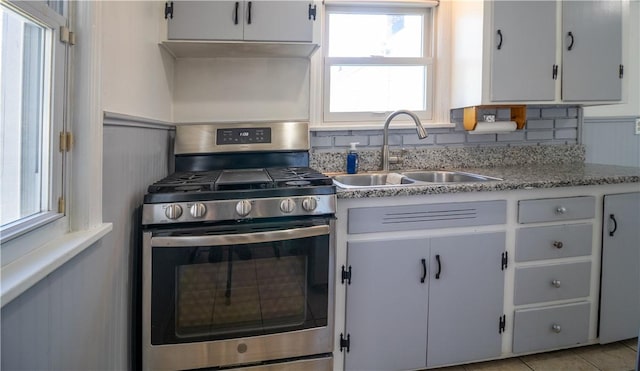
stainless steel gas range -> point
(238, 253)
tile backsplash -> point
(546, 125)
(550, 136)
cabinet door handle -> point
(249, 13)
(570, 36)
(615, 224)
(556, 283)
(235, 14)
(556, 328)
(439, 267)
(558, 244)
(561, 210)
(500, 42)
(424, 270)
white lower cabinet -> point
(620, 279)
(422, 302)
(550, 327)
(440, 280)
(551, 296)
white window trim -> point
(441, 51)
(33, 255)
(54, 84)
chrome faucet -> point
(422, 133)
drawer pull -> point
(561, 210)
(558, 244)
(555, 283)
(556, 328)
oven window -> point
(223, 292)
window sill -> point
(21, 274)
(352, 126)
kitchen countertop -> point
(515, 178)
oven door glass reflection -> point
(239, 289)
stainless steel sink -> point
(368, 180)
(442, 176)
(371, 180)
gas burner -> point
(189, 181)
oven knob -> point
(173, 211)
(309, 204)
(197, 210)
(243, 208)
(287, 205)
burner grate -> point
(190, 181)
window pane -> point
(377, 88)
(366, 35)
(22, 111)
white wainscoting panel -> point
(80, 316)
(611, 141)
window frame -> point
(356, 119)
(56, 54)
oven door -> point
(236, 294)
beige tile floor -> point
(619, 356)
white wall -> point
(241, 89)
(137, 74)
(631, 70)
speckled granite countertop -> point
(515, 177)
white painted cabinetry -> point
(552, 279)
(536, 52)
(241, 20)
(548, 297)
(620, 285)
(212, 28)
(425, 300)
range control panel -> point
(243, 136)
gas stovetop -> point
(239, 183)
(216, 195)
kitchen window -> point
(377, 60)
(33, 64)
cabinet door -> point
(466, 299)
(278, 21)
(523, 48)
(620, 286)
(387, 305)
(206, 20)
(592, 30)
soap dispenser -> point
(352, 159)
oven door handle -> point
(240, 238)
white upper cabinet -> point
(523, 50)
(592, 68)
(241, 20)
(206, 20)
(240, 28)
(544, 52)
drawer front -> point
(550, 327)
(427, 216)
(556, 209)
(561, 241)
(553, 282)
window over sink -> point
(377, 59)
